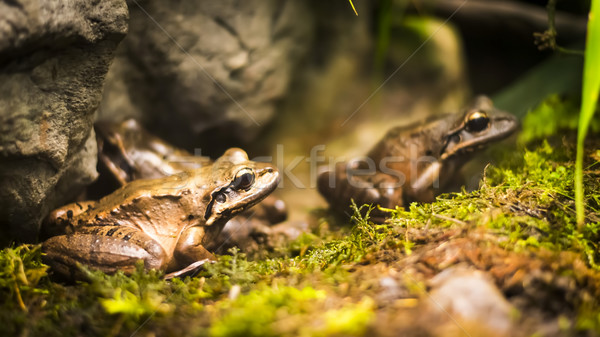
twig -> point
(512, 15)
(447, 218)
(547, 39)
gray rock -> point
(54, 56)
(461, 294)
(206, 72)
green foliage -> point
(20, 273)
(351, 320)
(588, 319)
(364, 237)
(384, 22)
(553, 115)
(589, 101)
(229, 270)
(539, 190)
(129, 304)
(301, 245)
(283, 310)
(539, 171)
(141, 295)
(257, 313)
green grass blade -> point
(591, 87)
(351, 4)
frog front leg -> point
(190, 253)
(191, 244)
(106, 248)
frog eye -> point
(243, 179)
(477, 121)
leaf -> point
(589, 100)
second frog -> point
(414, 163)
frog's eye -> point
(243, 179)
(477, 121)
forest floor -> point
(507, 259)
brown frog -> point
(127, 151)
(165, 222)
(415, 162)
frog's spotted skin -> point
(413, 163)
(165, 222)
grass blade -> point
(591, 87)
(351, 4)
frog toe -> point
(190, 270)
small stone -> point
(470, 295)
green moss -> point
(229, 270)
(364, 237)
(137, 296)
(351, 320)
(553, 115)
(541, 196)
(261, 312)
(20, 274)
(282, 310)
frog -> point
(165, 222)
(414, 163)
(128, 151)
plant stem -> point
(547, 39)
(351, 4)
(589, 100)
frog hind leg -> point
(380, 189)
(335, 186)
(377, 189)
(105, 248)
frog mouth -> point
(470, 148)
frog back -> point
(162, 208)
